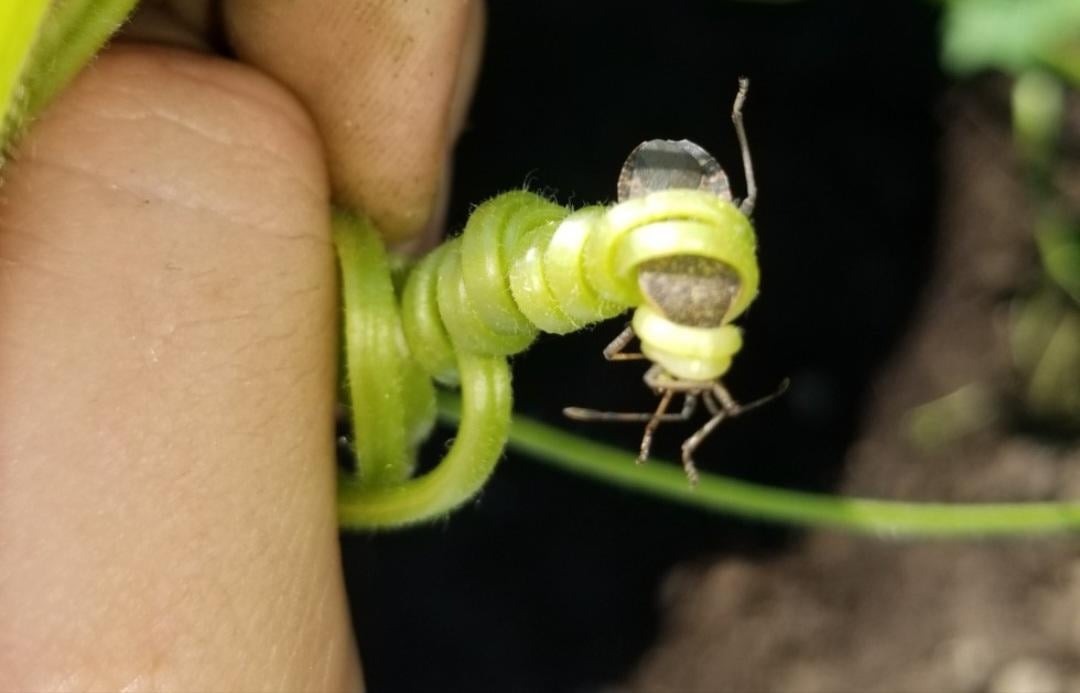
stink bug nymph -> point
(689, 299)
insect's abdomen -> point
(524, 264)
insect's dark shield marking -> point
(656, 165)
(689, 289)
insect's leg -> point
(580, 414)
(691, 444)
(710, 403)
(725, 399)
(688, 408)
(614, 351)
(657, 380)
(733, 408)
(721, 405)
(747, 205)
(654, 421)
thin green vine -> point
(730, 496)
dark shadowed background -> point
(551, 582)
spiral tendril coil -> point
(535, 266)
(522, 265)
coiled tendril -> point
(522, 265)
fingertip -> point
(388, 84)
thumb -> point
(167, 348)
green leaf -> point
(1059, 248)
(1011, 35)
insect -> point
(676, 247)
(689, 298)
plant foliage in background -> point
(1037, 43)
(1012, 35)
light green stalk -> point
(43, 45)
(20, 24)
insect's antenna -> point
(747, 205)
(784, 385)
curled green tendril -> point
(393, 402)
(522, 265)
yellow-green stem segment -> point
(392, 401)
(20, 24)
(43, 45)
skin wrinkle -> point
(142, 107)
(214, 123)
(114, 611)
(22, 233)
(317, 604)
(163, 343)
(9, 267)
(333, 643)
(290, 113)
(287, 595)
(147, 195)
(298, 535)
(257, 148)
(135, 183)
(198, 590)
(260, 146)
(242, 88)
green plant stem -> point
(483, 414)
(20, 25)
(71, 33)
(393, 402)
(376, 358)
(725, 495)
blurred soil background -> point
(896, 230)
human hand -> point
(168, 337)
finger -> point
(167, 346)
(387, 82)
